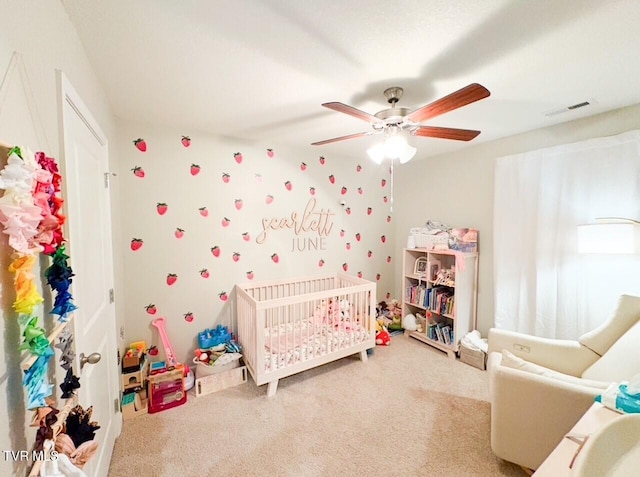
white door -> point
(85, 166)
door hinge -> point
(107, 178)
(116, 405)
(111, 296)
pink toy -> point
(383, 338)
(168, 349)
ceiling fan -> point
(394, 120)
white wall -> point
(41, 32)
(168, 179)
(457, 188)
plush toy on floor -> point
(383, 337)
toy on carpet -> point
(166, 386)
(383, 337)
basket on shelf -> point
(429, 241)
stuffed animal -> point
(383, 337)
(345, 310)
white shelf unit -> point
(461, 318)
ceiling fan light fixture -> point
(376, 153)
(407, 154)
(394, 146)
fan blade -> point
(346, 109)
(446, 133)
(342, 138)
(462, 97)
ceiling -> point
(259, 70)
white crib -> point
(291, 325)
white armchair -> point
(540, 387)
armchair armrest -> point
(530, 414)
(565, 356)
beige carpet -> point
(408, 411)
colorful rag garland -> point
(30, 213)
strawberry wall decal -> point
(275, 258)
(332, 179)
(385, 199)
(383, 182)
(215, 251)
(246, 237)
(223, 296)
(347, 245)
(388, 258)
(270, 153)
(288, 185)
(321, 160)
(238, 157)
(345, 266)
(141, 144)
(151, 309)
(268, 199)
(312, 190)
(383, 239)
(343, 190)
(348, 210)
(186, 141)
(358, 236)
(388, 296)
(358, 168)
(171, 278)
(369, 210)
(194, 170)
(226, 177)
(136, 244)
(360, 190)
(258, 178)
(203, 211)
(238, 204)
(235, 257)
(138, 172)
(320, 262)
(359, 274)
(378, 276)
(303, 166)
(179, 233)
(250, 275)
(388, 218)
(204, 273)
(188, 317)
(162, 207)
(369, 254)
(225, 222)
(341, 232)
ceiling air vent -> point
(572, 107)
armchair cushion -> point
(626, 314)
(621, 362)
(512, 361)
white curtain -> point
(542, 285)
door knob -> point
(93, 358)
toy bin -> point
(203, 369)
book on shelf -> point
(446, 334)
(439, 335)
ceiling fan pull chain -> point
(391, 187)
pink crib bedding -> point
(281, 350)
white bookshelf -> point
(451, 303)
